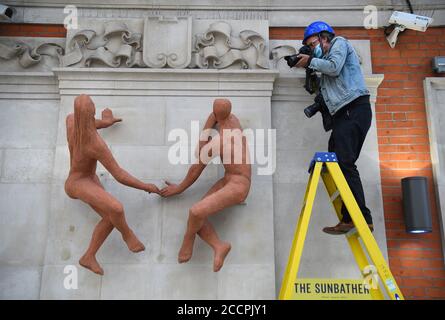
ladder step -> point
(335, 195)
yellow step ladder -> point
(325, 164)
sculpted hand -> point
(152, 188)
(107, 116)
(170, 190)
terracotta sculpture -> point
(86, 148)
(232, 189)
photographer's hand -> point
(304, 61)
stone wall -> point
(434, 94)
(152, 102)
(279, 13)
(29, 113)
(140, 144)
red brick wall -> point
(415, 260)
(32, 30)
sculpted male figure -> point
(232, 189)
(86, 148)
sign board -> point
(331, 289)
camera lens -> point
(292, 60)
(312, 109)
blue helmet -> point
(315, 28)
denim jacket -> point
(342, 78)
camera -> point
(311, 110)
(410, 21)
(320, 106)
(292, 60)
(311, 78)
(399, 21)
(6, 13)
(312, 83)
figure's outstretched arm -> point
(192, 175)
(196, 169)
(104, 156)
(205, 157)
(204, 136)
(107, 119)
(209, 124)
(211, 121)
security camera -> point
(410, 21)
(6, 13)
(404, 20)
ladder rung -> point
(335, 195)
(352, 233)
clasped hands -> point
(170, 190)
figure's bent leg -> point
(225, 197)
(230, 194)
(210, 236)
(220, 248)
(101, 232)
(108, 206)
(186, 251)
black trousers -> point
(350, 126)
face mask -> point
(318, 53)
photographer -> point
(347, 99)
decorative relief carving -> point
(26, 55)
(161, 42)
(278, 52)
(167, 42)
(87, 46)
(216, 48)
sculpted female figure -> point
(86, 148)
